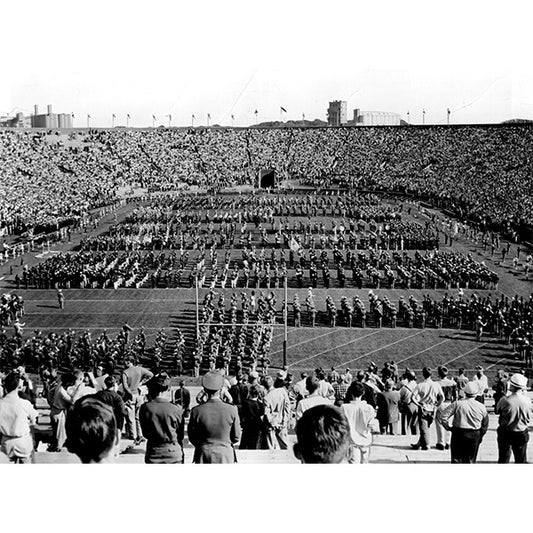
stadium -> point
(277, 251)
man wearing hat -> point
(162, 424)
(513, 424)
(469, 425)
(214, 426)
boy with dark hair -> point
(360, 416)
(92, 432)
(322, 436)
(110, 397)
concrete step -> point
(386, 449)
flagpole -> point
(192, 124)
(127, 121)
(285, 326)
(88, 118)
(113, 120)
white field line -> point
(384, 347)
(335, 348)
(422, 351)
(464, 354)
(497, 363)
(333, 330)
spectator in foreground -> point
(182, 397)
(470, 421)
(111, 397)
(133, 377)
(92, 432)
(388, 413)
(513, 424)
(252, 421)
(360, 416)
(17, 416)
(322, 436)
(162, 424)
(214, 426)
(313, 398)
(427, 396)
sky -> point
(232, 57)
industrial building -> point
(337, 113)
(18, 121)
(50, 120)
(375, 118)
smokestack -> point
(49, 109)
(36, 109)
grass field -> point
(99, 309)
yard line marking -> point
(497, 363)
(335, 347)
(306, 341)
(425, 350)
(383, 347)
(466, 353)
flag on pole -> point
(283, 109)
(255, 112)
(128, 116)
(209, 115)
(153, 117)
(193, 117)
(72, 115)
(114, 116)
(232, 117)
(448, 110)
(88, 116)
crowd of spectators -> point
(478, 172)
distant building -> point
(375, 118)
(51, 120)
(337, 113)
(18, 121)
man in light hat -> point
(469, 425)
(214, 426)
(513, 424)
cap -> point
(212, 381)
(519, 381)
(479, 367)
(281, 374)
(471, 389)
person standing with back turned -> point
(513, 424)
(214, 426)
